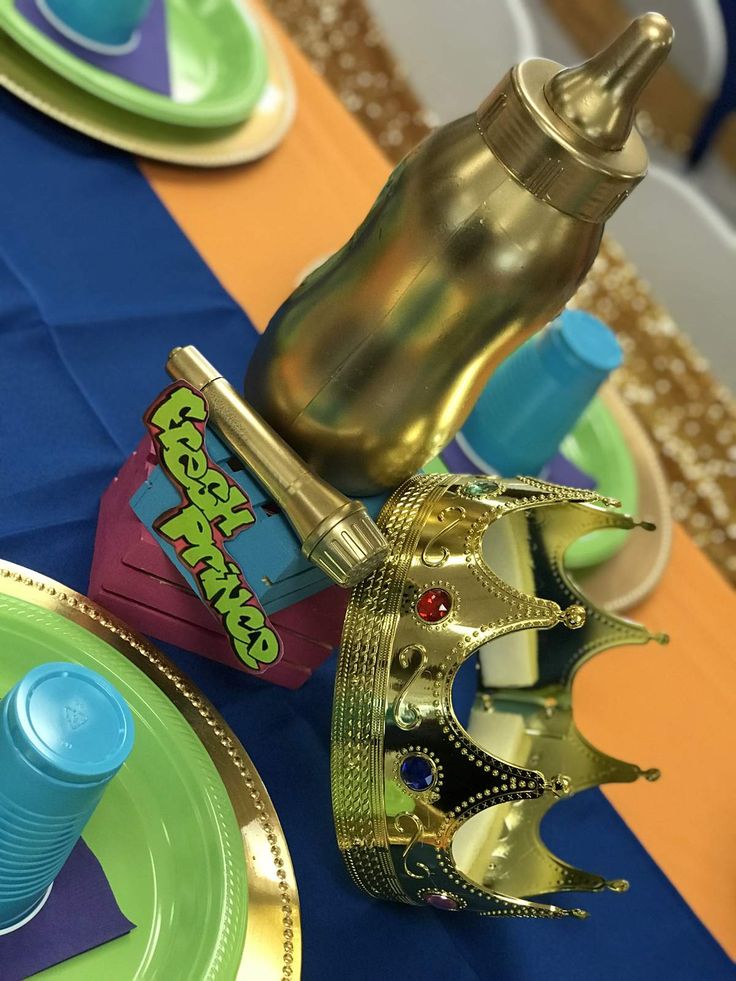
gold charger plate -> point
(272, 948)
(261, 132)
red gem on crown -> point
(434, 605)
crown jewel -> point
(474, 565)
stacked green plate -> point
(598, 447)
(185, 833)
(217, 64)
(231, 93)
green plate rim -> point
(599, 546)
(136, 98)
(272, 946)
(38, 86)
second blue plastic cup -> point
(64, 733)
(538, 393)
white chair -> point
(686, 250)
(455, 52)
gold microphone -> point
(337, 534)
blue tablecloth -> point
(97, 283)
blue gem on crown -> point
(418, 773)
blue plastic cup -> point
(109, 26)
(538, 394)
(64, 733)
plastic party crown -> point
(470, 559)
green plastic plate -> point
(597, 446)
(165, 831)
(217, 62)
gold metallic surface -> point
(393, 694)
(598, 99)
(549, 158)
(478, 239)
(45, 90)
(687, 414)
(337, 534)
(272, 948)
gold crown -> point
(469, 558)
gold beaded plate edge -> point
(272, 947)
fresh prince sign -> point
(212, 510)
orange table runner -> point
(257, 228)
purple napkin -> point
(559, 470)
(147, 65)
(80, 914)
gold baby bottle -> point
(478, 239)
